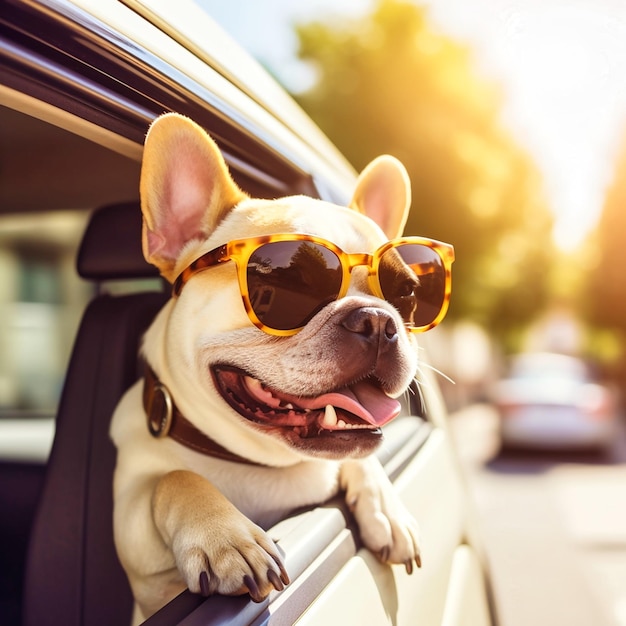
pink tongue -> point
(363, 399)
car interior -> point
(72, 531)
(51, 177)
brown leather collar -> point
(165, 420)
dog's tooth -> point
(253, 383)
(330, 417)
(260, 392)
(342, 424)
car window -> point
(50, 181)
(40, 304)
(549, 367)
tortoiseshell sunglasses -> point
(286, 279)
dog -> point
(263, 392)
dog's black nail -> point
(409, 566)
(204, 584)
(273, 577)
(253, 588)
(283, 572)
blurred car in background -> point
(553, 401)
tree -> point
(603, 298)
(388, 83)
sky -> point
(562, 64)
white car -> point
(81, 82)
(551, 401)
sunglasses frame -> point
(240, 251)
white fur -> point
(179, 513)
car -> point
(552, 401)
(81, 82)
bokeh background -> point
(510, 117)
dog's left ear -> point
(185, 188)
(383, 193)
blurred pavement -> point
(553, 525)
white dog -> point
(270, 371)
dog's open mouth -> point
(362, 406)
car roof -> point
(542, 363)
(104, 69)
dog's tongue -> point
(365, 400)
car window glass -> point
(41, 299)
(50, 182)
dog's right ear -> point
(185, 189)
(383, 193)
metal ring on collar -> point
(161, 412)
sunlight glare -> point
(561, 65)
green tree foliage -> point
(604, 294)
(389, 83)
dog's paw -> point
(216, 548)
(385, 525)
(237, 559)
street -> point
(553, 526)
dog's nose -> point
(373, 324)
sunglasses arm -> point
(209, 259)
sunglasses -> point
(286, 279)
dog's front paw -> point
(386, 527)
(216, 548)
(235, 558)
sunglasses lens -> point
(290, 281)
(413, 278)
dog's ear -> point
(383, 193)
(185, 189)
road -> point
(554, 527)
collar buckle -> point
(160, 411)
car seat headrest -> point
(111, 245)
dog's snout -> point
(373, 324)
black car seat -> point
(73, 575)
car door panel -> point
(467, 601)
(387, 595)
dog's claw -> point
(274, 578)
(204, 584)
(284, 577)
(384, 554)
(253, 588)
(409, 564)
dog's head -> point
(274, 396)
